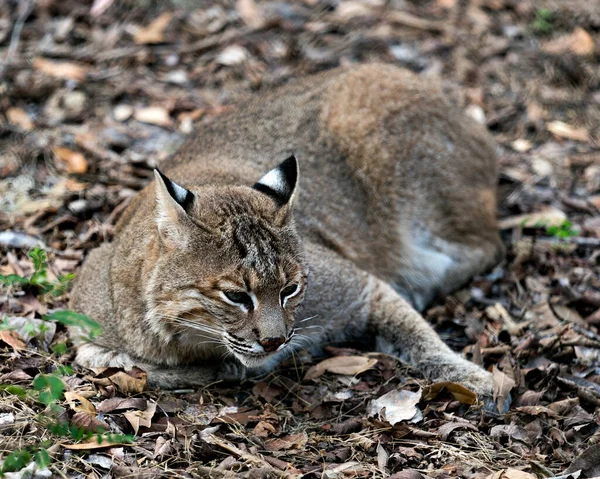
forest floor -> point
(93, 95)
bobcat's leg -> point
(351, 303)
(434, 268)
(165, 377)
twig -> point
(579, 240)
(26, 8)
(411, 21)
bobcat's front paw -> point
(481, 382)
(232, 372)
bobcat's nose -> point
(271, 344)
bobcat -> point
(384, 201)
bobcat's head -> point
(229, 269)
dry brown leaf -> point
(74, 161)
(460, 392)
(114, 404)
(502, 387)
(88, 422)
(63, 70)
(292, 441)
(129, 384)
(579, 42)
(263, 429)
(250, 13)
(545, 218)
(396, 406)
(100, 6)
(86, 406)
(18, 117)
(13, 340)
(155, 115)
(139, 419)
(155, 32)
(564, 130)
(345, 365)
(95, 443)
(446, 429)
(511, 474)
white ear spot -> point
(179, 193)
(274, 180)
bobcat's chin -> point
(253, 360)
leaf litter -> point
(95, 93)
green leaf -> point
(59, 349)
(13, 279)
(14, 390)
(50, 388)
(42, 458)
(39, 258)
(71, 318)
(16, 461)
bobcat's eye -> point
(239, 297)
(288, 292)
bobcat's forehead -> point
(258, 246)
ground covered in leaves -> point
(92, 95)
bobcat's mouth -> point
(251, 356)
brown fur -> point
(396, 202)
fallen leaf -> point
(511, 474)
(88, 422)
(233, 55)
(446, 429)
(95, 443)
(292, 441)
(18, 117)
(263, 429)
(31, 328)
(86, 406)
(13, 340)
(407, 474)
(139, 419)
(458, 391)
(536, 410)
(579, 42)
(100, 6)
(115, 404)
(345, 365)
(509, 430)
(545, 218)
(250, 13)
(396, 406)
(131, 382)
(155, 115)
(74, 161)
(63, 70)
(154, 32)
(502, 387)
(570, 132)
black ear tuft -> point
(182, 197)
(280, 182)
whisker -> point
(307, 319)
(311, 327)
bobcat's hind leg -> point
(434, 268)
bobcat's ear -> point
(172, 203)
(281, 185)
